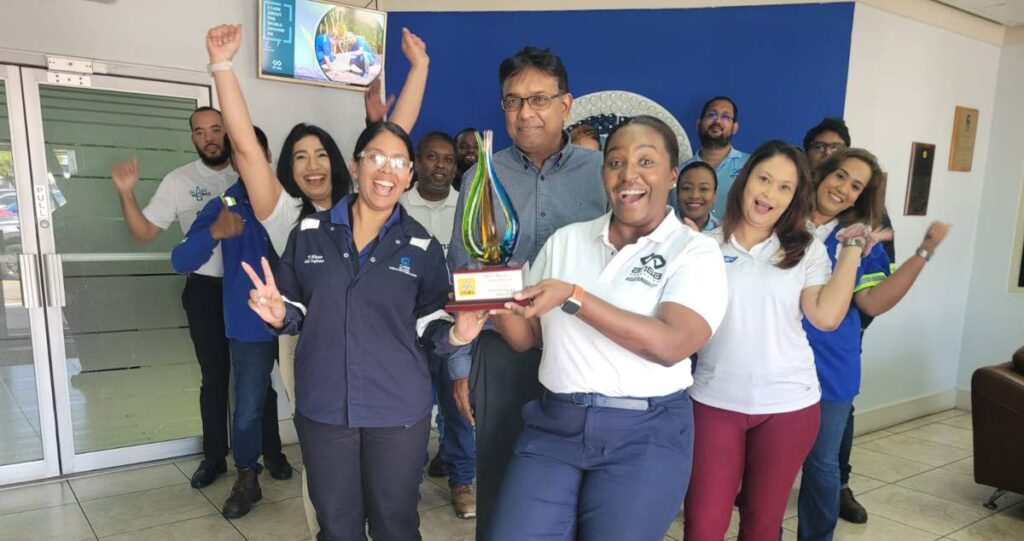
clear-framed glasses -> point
(398, 163)
(538, 102)
(827, 148)
(713, 116)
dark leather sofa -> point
(997, 401)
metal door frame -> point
(31, 291)
(51, 272)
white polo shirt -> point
(438, 217)
(759, 362)
(672, 264)
(182, 194)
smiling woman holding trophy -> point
(619, 304)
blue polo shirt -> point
(837, 353)
(727, 171)
(359, 360)
(240, 321)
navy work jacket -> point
(360, 361)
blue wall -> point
(785, 66)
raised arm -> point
(125, 176)
(222, 43)
(877, 300)
(407, 109)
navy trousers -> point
(596, 473)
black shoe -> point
(279, 467)
(850, 509)
(436, 468)
(245, 493)
(207, 472)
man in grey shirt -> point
(552, 183)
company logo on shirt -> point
(313, 259)
(199, 192)
(404, 266)
(730, 258)
(648, 272)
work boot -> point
(245, 493)
(279, 468)
(207, 472)
(465, 501)
(850, 509)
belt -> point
(204, 278)
(595, 400)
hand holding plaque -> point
(492, 285)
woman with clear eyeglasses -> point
(364, 285)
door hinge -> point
(69, 71)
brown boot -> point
(465, 501)
(245, 493)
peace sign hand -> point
(265, 299)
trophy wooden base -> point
(485, 289)
(472, 306)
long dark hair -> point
(870, 204)
(791, 228)
(341, 180)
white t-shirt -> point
(182, 194)
(672, 264)
(438, 217)
(759, 362)
(282, 220)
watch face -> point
(571, 306)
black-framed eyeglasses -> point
(398, 163)
(538, 102)
(822, 147)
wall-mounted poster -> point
(922, 160)
(965, 129)
(321, 42)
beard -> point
(709, 141)
(216, 160)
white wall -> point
(171, 34)
(905, 80)
(995, 316)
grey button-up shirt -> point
(567, 189)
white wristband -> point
(219, 66)
(456, 341)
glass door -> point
(28, 435)
(125, 378)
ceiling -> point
(1007, 12)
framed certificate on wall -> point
(965, 130)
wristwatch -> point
(925, 254)
(574, 302)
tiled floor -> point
(915, 480)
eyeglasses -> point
(398, 163)
(713, 116)
(829, 148)
(538, 102)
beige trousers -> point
(286, 360)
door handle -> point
(53, 272)
(31, 296)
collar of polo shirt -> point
(660, 234)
